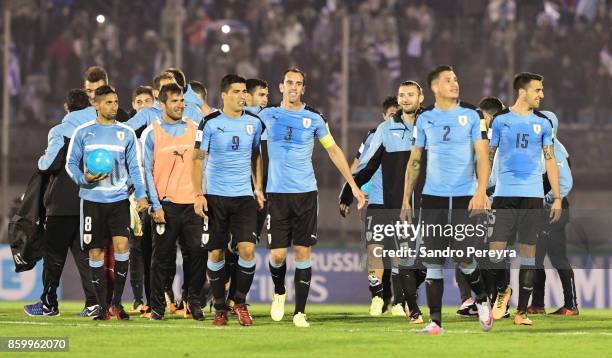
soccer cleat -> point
(39, 309)
(521, 319)
(376, 306)
(244, 317)
(184, 310)
(220, 318)
(468, 308)
(277, 311)
(299, 320)
(119, 312)
(563, 311)
(499, 309)
(154, 316)
(432, 329)
(146, 315)
(170, 304)
(90, 311)
(536, 310)
(103, 315)
(230, 304)
(398, 310)
(485, 317)
(415, 318)
(195, 312)
(137, 307)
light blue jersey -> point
(120, 140)
(519, 141)
(145, 117)
(566, 181)
(256, 110)
(291, 136)
(449, 138)
(230, 143)
(374, 187)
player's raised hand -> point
(478, 204)
(360, 196)
(158, 216)
(200, 205)
(406, 212)
(555, 211)
(90, 178)
(344, 209)
(142, 205)
(259, 196)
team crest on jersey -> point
(250, 129)
(537, 128)
(306, 122)
(463, 120)
(121, 135)
(87, 238)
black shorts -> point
(517, 216)
(437, 212)
(101, 221)
(234, 217)
(292, 219)
(376, 217)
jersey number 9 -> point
(235, 142)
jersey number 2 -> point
(446, 133)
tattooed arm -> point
(553, 177)
(413, 170)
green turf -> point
(336, 330)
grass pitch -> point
(336, 330)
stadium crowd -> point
(390, 40)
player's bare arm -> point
(200, 205)
(479, 201)
(413, 170)
(553, 177)
(257, 172)
(337, 157)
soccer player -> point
(147, 115)
(202, 93)
(454, 134)
(389, 152)
(553, 241)
(104, 205)
(489, 106)
(373, 189)
(168, 147)
(192, 99)
(230, 141)
(292, 188)
(520, 135)
(62, 225)
(142, 97)
(257, 94)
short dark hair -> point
(228, 80)
(178, 75)
(168, 89)
(491, 105)
(142, 90)
(389, 102)
(435, 73)
(76, 99)
(253, 83)
(103, 91)
(95, 74)
(412, 83)
(164, 76)
(199, 88)
(522, 80)
(296, 70)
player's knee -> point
(246, 252)
(277, 257)
(301, 253)
(215, 255)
